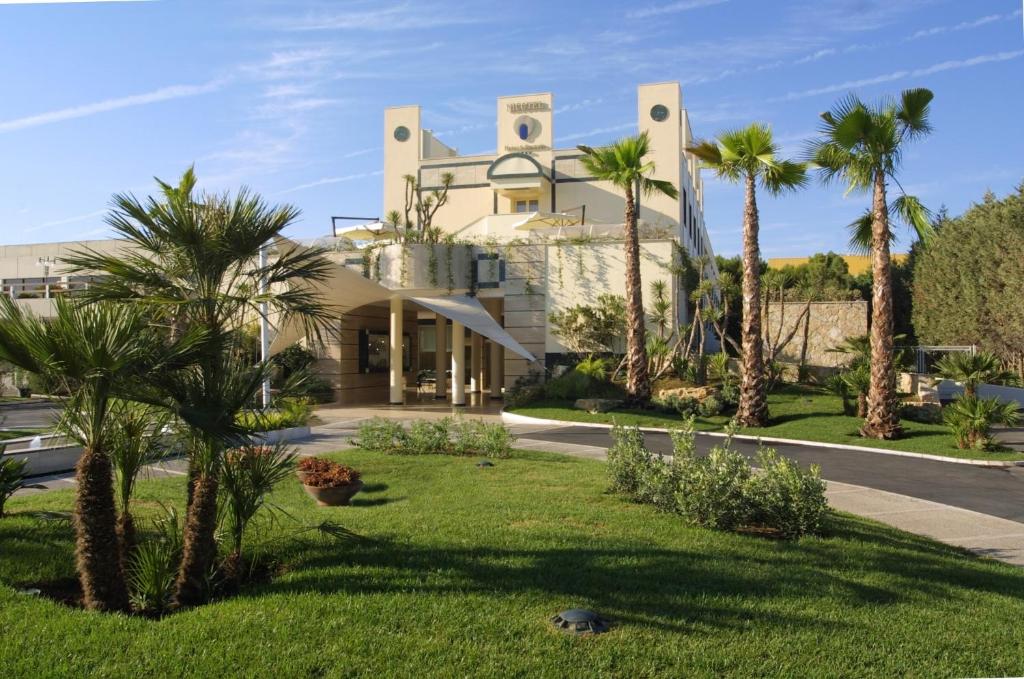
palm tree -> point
(192, 261)
(751, 156)
(862, 145)
(623, 165)
(93, 352)
(973, 369)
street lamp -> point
(46, 263)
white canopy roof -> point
(473, 315)
(347, 290)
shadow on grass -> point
(725, 585)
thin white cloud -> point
(964, 25)
(403, 16)
(671, 8)
(66, 220)
(596, 131)
(816, 55)
(84, 110)
(901, 75)
(330, 180)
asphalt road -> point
(998, 491)
(34, 416)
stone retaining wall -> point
(827, 325)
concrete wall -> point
(828, 324)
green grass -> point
(18, 433)
(797, 412)
(459, 570)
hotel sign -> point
(528, 107)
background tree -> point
(967, 281)
(750, 155)
(192, 261)
(862, 145)
(623, 165)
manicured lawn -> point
(798, 412)
(458, 569)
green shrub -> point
(154, 566)
(686, 406)
(12, 477)
(289, 412)
(574, 384)
(729, 394)
(627, 460)
(712, 490)
(785, 497)
(594, 368)
(970, 420)
(524, 391)
(427, 437)
(719, 491)
(381, 435)
(710, 407)
(476, 437)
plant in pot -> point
(333, 487)
(310, 465)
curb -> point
(15, 405)
(514, 418)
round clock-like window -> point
(402, 133)
(659, 113)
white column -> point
(476, 362)
(264, 328)
(497, 363)
(396, 378)
(458, 364)
(441, 356)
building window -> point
(527, 205)
(374, 350)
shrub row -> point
(721, 490)
(447, 436)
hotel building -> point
(524, 232)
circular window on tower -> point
(659, 113)
(402, 133)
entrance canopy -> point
(469, 312)
(346, 290)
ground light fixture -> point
(484, 464)
(580, 621)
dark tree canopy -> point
(969, 283)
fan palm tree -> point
(623, 165)
(973, 369)
(94, 352)
(750, 155)
(862, 145)
(192, 261)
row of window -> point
(44, 287)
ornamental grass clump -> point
(721, 490)
(970, 420)
(381, 434)
(447, 436)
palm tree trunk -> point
(638, 384)
(97, 547)
(753, 405)
(883, 421)
(199, 545)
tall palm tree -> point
(93, 352)
(750, 155)
(623, 165)
(192, 261)
(862, 145)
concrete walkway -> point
(982, 533)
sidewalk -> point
(982, 534)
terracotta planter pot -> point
(338, 496)
(302, 476)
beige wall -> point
(827, 325)
(579, 274)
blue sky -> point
(287, 96)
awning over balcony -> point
(347, 290)
(472, 314)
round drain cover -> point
(580, 621)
